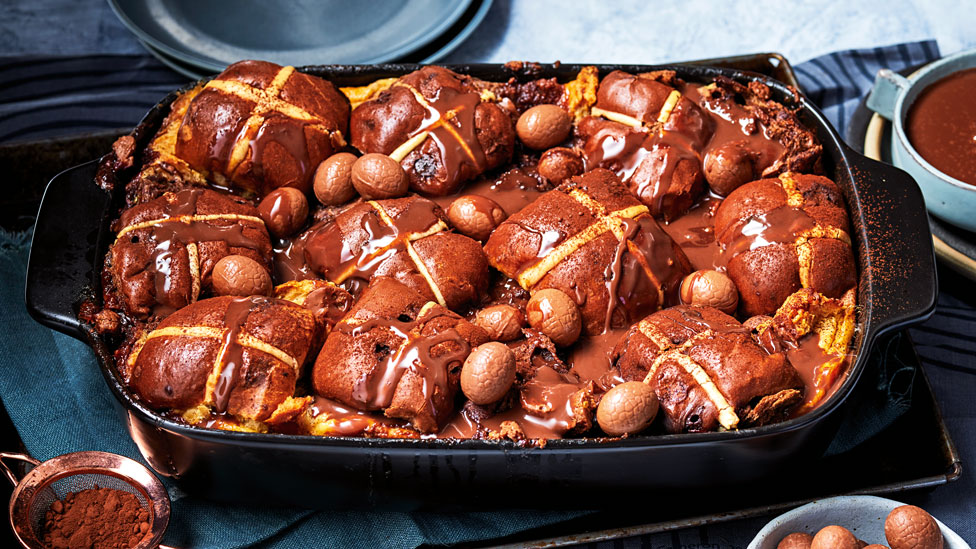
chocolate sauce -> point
(512, 190)
(450, 121)
(171, 237)
(548, 396)
(615, 272)
(621, 154)
(337, 257)
(289, 257)
(590, 359)
(232, 359)
(778, 226)
(732, 122)
(318, 302)
(694, 232)
(289, 135)
(812, 363)
(941, 125)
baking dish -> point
(897, 286)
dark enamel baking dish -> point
(897, 287)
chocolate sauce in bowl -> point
(941, 125)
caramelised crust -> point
(783, 234)
(808, 313)
(165, 249)
(441, 126)
(404, 238)
(594, 241)
(707, 371)
(260, 126)
(651, 136)
(239, 356)
(398, 352)
(161, 170)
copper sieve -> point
(74, 472)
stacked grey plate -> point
(200, 38)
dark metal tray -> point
(887, 217)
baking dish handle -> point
(904, 287)
(62, 260)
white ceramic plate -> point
(864, 516)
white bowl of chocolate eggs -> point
(856, 522)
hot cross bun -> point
(260, 126)
(593, 240)
(439, 125)
(707, 371)
(166, 249)
(405, 238)
(651, 136)
(237, 356)
(398, 352)
(783, 234)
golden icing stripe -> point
(422, 268)
(617, 117)
(187, 219)
(794, 197)
(652, 332)
(210, 332)
(408, 146)
(669, 105)
(610, 222)
(194, 259)
(727, 417)
(418, 263)
(412, 143)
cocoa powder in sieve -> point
(99, 518)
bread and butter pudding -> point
(437, 255)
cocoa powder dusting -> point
(97, 518)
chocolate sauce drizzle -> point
(328, 251)
(377, 389)
(458, 147)
(778, 226)
(232, 357)
(171, 238)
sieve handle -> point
(11, 476)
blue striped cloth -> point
(46, 377)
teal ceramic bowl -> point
(892, 97)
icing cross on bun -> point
(707, 371)
(239, 356)
(783, 234)
(591, 239)
(260, 126)
(441, 126)
(405, 238)
(165, 250)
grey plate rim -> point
(214, 65)
(473, 23)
